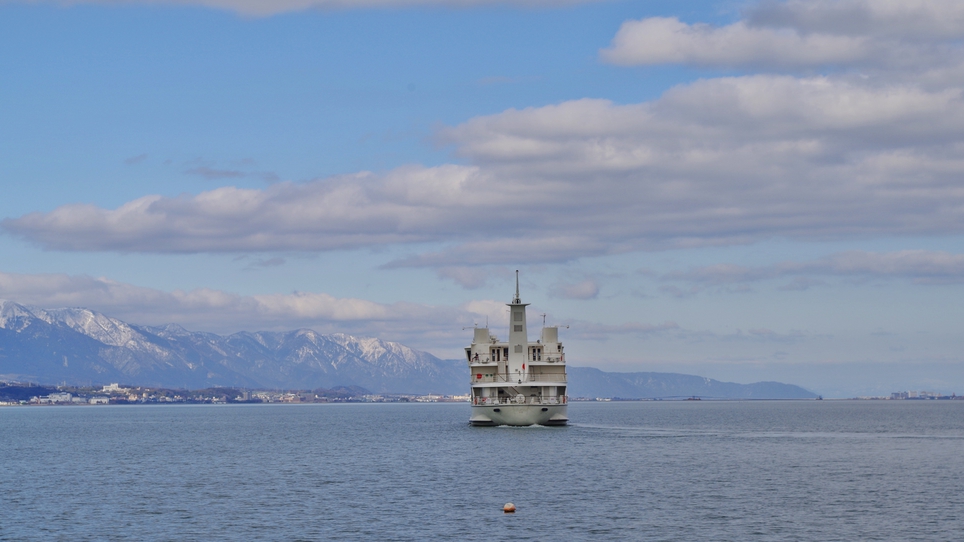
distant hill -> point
(80, 346)
(23, 393)
(589, 382)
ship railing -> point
(478, 378)
(516, 400)
(481, 359)
(545, 377)
(543, 358)
(547, 358)
(552, 358)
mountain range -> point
(590, 382)
(81, 346)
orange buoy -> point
(509, 508)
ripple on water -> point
(660, 471)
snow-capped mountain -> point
(79, 345)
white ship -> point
(517, 382)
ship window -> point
(518, 327)
(517, 316)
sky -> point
(747, 191)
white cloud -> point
(917, 19)
(224, 312)
(663, 40)
(716, 162)
(471, 277)
(262, 8)
(919, 266)
(909, 35)
(585, 289)
(593, 331)
(408, 205)
(438, 329)
(733, 159)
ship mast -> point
(516, 298)
(518, 336)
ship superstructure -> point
(517, 382)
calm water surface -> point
(622, 471)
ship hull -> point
(518, 415)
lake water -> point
(817, 470)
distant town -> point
(115, 394)
(913, 396)
(17, 393)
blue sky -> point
(745, 191)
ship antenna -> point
(517, 300)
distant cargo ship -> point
(517, 382)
